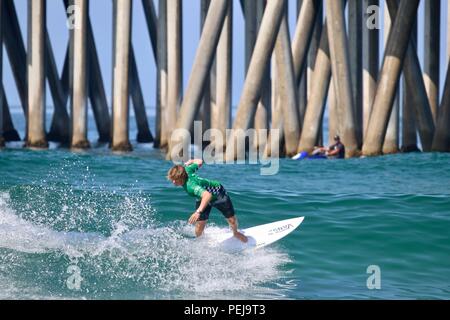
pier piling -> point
(316, 103)
(431, 55)
(79, 80)
(122, 36)
(390, 144)
(286, 86)
(202, 65)
(174, 62)
(355, 27)
(370, 35)
(409, 128)
(251, 92)
(441, 140)
(161, 84)
(36, 75)
(287, 97)
(144, 134)
(389, 77)
(221, 113)
(17, 53)
(60, 125)
(342, 81)
(2, 140)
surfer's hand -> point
(194, 217)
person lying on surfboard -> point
(209, 193)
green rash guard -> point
(195, 186)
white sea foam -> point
(163, 258)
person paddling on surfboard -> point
(209, 193)
(335, 151)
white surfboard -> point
(258, 236)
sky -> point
(101, 18)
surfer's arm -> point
(198, 162)
(206, 198)
(333, 152)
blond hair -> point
(177, 173)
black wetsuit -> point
(340, 146)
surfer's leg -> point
(232, 221)
(224, 205)
(199, 227)
(201, 222)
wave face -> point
(99, 226)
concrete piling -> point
(306, 22)
(409, 132)
(341, 75)
(288, 93)
(161, 139)
(409, 128)
(370, 35)
(251, 92)
(96, 90)
(263, 110)
(414, 78)
(9, 133)
(389, 76)
(221, 113)
(333, 123)
(319, 90)
(144, 134)
(152, 25)
(60, 126)
(36, 75)
(306, 37)
(391, 144)
(431, 54)
(311, 59)
(288, 87)
(251, 29)
(2, 140)
(448, 33)
(202, 65)
(17, 54)
(174, 62)
(441, 140)
(355, 27)
(276, 122)
(79, 80)
(204, 114)
(97, 93)
(122, 40)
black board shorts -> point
(222, 203)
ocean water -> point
(96, 225)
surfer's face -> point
(177, 183)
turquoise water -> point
(98, 226)
(114, 221)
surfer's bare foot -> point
(241, 237)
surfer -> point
(209, 193)
(336, 151)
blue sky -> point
(101, 18)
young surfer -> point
(209, 193)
